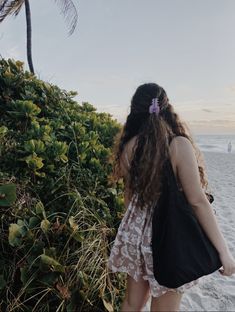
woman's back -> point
(128, 153)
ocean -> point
(215, 143)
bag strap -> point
(171, 175)
(169, 169)
(172, 178)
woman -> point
(152, 132)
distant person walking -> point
(229, 147)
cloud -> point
(213, 122)
(14, 53)
(223, 121)
(207, 110)
(202, 103)
(190, 103)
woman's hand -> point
(228, 263)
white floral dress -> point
(131, 252)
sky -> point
(185, 46)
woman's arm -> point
(187, 170)
(124, 174)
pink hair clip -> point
(154, 107)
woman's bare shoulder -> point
(180, 146)
(184, 148)
(179, 150)
(187, 171)
(181, 140)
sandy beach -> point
(216, 292)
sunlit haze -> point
(185, 46)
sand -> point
(216, 292)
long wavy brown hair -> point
(152, 146)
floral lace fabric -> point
(131, 252)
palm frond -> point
(10, 7)
(2, 4)
(70, 13)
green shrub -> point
(56, 232)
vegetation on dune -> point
(59, 212)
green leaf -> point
(29, 146)
(75, 234)
(34, 162)
(3, 130)
(64, 158)
(25, 108)
(40, 174)
(112, 190)
(40, 209)
(60, 148)
(45, 225)
(82, 156)
(36, 146)
(7, 195)
(20, 222)
(14, 237)
(73, 224)
(33, 222)
(23, 230)
(52, 262)
(108, 305)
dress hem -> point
(162, 291)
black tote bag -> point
(181, 250)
